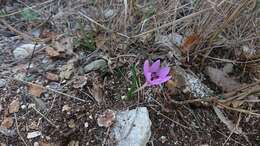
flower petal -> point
(160, 80)
(146, 66)
(164, 72)
(165, 79)
(148, 77)
(155, 66)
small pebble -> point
(86, 125)
(2, 83)
(163, 139)
(36, 144)
(23, 106)
(33, 134)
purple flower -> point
(155, 74)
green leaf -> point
(135, 83)
(2, 12)
(29, 15)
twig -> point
(48, 120)
(239, 110)
(24, 35)
(19, 11)
(18, 132)
(172, 23)
(237, 124)
(30, 60)
(102, 26)
(166, 117)
(52, 90)
(230, 138)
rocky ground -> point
(72, 72)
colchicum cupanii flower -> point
(154, 74)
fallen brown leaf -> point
(100, 40)
(97, 91)
(64, 45)
(52, 76)
(66, 71)
(14, 106)
(189, 41)
(35, 90)
(43, 143)
(79, 82)
(2, 144)
(71, 124)
(52, 52)
(66, 108)
(106, 119)
(231, 126)
(73, 143)
(7, 122)
(221, 79)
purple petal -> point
(146, 66)
(155, 66)
(165, 79)
(164, 72)
(160, 80)
(148, 76)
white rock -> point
(109, 13)
(36, 144)
(132, 128)
(24, 51)
(86, 125)
(170, 40)
(33, 134)
(2, 83)
(192, 83)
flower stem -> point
(141, 88)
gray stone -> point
(99, 64)
(2, 83)
(24, 51)
(132, 128)
(109, 13)
(192, 83)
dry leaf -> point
(73, 143)
(35, 90)
(221, 79)
(106, 119)
(189, 41)
(71, 123)
(1, 107)
(44, 143)
(7, 122)
(14, 106)
(79, 82)
(171, 84)
(52, 76)
(237, 103)
(66, 108)
(52, 52)
(97, 92)
(100, 40)
(33, 125)
(231, 126)
(66, 71)
(64, 45)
